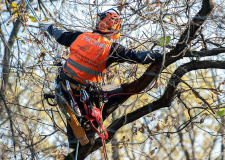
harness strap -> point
(73, 102)
(75, 125)
(71, 118)
(73, 83)
(92, 113)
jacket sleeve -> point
(63, 37)
(119, 53)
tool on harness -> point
(73, 102)
(72, 111)
(92, 111)
(69, 113)
(59, 98)
(93, 114)
(66, 109)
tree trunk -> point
(7, 52)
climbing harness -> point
(93, 114)
(67, 109)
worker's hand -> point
(44, 25)
(158, 56)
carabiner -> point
(84, 95)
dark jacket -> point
(118, 53)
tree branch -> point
(6, 58)
(187, 36)
(166, 98)
(212, 52)
(10, 121)
(149, 75)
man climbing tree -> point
(91, 54)
(187, 104)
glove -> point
(44, 25)
(158, 55)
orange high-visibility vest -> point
(88, 56)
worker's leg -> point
(71, 138)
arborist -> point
(91, 54)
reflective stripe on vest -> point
(88, 56)
(83, 68)
(72, 73)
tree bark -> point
(223, 138)
(165, 100)
(8, 53)
(115, 146)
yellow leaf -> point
(54, 151)
(32, 18)
(17, 38)
(13, 5)
(56, 12)
(168, 17)
(46, 19)
(60, 25)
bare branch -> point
(165, 100)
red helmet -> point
(110, 23)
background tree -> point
(182, 117)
